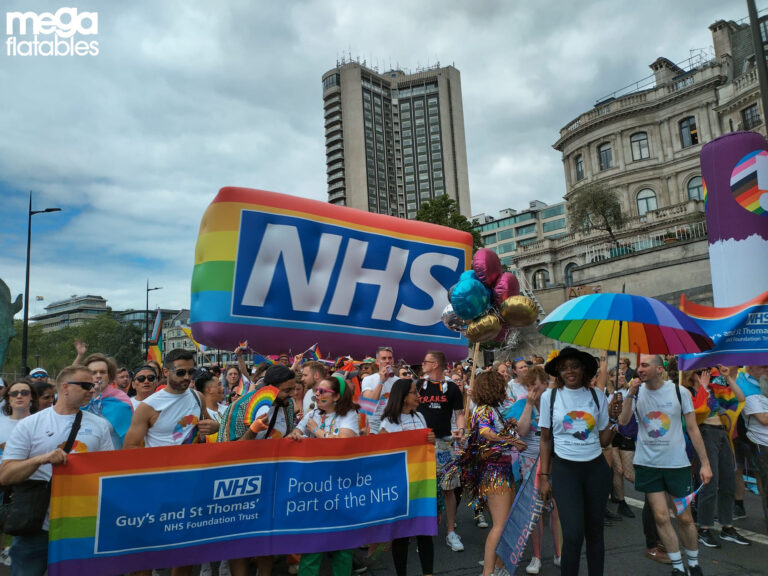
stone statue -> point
(8, 310)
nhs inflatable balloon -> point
(284, 272)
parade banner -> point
(523, 517)
(284, 272)
(121, 511)
(740, 334)
(734, 170)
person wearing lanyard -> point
(334, 417)
(401, 414)
(575, 423)
(535, 381)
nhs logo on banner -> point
(299, 270)
(236, 487)
(284, 273)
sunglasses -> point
(84, 385)
(39, 375)
(323, 391)
(181, 372)
(15, 393)
(142, 378)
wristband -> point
(633, 396)
(257, 426)
(613, 420)
(543, 474)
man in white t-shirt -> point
(662, 467)
(36, 445)
(174, 415)
(755, 414)
(378, 386)
(312, 373)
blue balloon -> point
(470, 298)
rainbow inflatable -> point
(284, 272)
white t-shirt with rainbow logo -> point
(577, 422)
(660, 441)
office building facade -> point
(394, 140)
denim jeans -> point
(29, 554)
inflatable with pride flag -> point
(734, 171)
(284, 272)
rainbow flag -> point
(276, 497)
(731, 407)
(316, 352)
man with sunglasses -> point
(378, 386)
(36, 445)
(174, 415)
(39, 374)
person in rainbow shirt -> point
(661, 464)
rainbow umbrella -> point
(626, 323)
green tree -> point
(595, 207)
(54, 350)
(443, 211)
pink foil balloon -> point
(487, 266)
(505, 287)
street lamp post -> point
(146, 317)
(24, 367)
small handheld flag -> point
(683, 502)
(367, 405)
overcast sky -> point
(187, 97)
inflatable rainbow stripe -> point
(286, 272)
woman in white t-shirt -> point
(21, 401)
(400, 414)
(577, 418)
(334, 417)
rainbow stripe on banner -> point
(740, 334)
(209, 502)
(279, 269)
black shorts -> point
(623, 443)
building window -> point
(558, 224)
(540, 279)
(750, 117)
(579, 167)
(695, 191)
(646, 201)
(505, 248)
(569, 273)
(640, 148)
(523, 230)
(688, 134)
(506, 234)
(605, 156)
(553, 211)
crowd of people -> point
(576, 426)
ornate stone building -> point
(644, 142)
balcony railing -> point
(600, 251)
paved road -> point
(624, 551)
